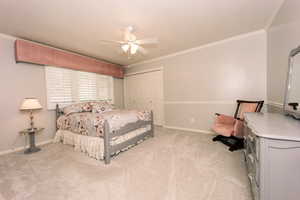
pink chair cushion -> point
(224, 125)
(225, 119)
(223, 129)
(228, 129)
(228, 125)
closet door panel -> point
(145, 91)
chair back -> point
(244, 106)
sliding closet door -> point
(145, 91)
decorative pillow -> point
(101, 106)
(77, 108)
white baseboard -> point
(23, 148)
(189, 129)
(276, 104)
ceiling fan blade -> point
(142, 50)
(147, 41)
(120, 52)
(112, 42)
(129, 37)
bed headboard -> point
(58, 111)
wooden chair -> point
(230, 129)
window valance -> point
(30, 52)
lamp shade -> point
(30, 104)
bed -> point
(101, 131)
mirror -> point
(292, 94)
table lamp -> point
(31, 104)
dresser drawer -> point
(274, 141)
(251, 142)
(252, 149)
(253, 168)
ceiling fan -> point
(131, 45)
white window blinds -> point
(59, 86)
(105, 83)
(87, 86)
(65, 86)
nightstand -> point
(31, 132)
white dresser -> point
(272, 156)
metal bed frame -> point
(109, 149)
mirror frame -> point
(286, 108)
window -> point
(87, 86)
(65, 86)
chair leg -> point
(217, 138)
(233, 142)
(238, 145)
(232, 149)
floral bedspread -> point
(92, 124)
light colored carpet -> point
(174, 165)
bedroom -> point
(203, 56)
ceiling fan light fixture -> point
(134, 48)
(130, 45)
(125, 47)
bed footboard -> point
(109, 149)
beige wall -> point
(26, 80)
(207, 80)
(17, 82)
(118, 93)
(283, 36)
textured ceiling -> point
(179, 25)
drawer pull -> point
(250, 176)
(254, 188)
(251, 138)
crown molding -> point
(238, 37)
(144, 71)
(273, 16)
(5, 36)
(200, 102)
(10, 37)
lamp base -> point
(31, 150)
